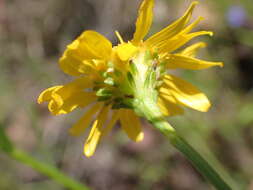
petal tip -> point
(195, 3)
(39, 100)
(202, 44)
(221, 64)
(206, 107)
(140, 137)
(201, 18)
(88, 152)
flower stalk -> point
(191, 154)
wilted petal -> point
(64, 99)
(89, 45)
(46, 95)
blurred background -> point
(33, 35)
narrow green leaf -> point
(5, 143)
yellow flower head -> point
(115, 81)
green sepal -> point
(110, 64)
(147, 56)
(126, 104)
(109, 81)
(104, 92)
(117, 73)
(130, 78)
(133, 68)
(103, 98)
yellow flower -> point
(112, 81)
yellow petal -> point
(89, 45)
(96, 132)
(185, 93)
(192, 50)
(130, 123)
(172, 29)
(76, 85)
(76, 100)
(168, 108)
(144, 20)
(165, 45)
(85, 120)
(112, 122)
(180, 40)
(165, 93)
(64, 99)
(96, 45)
(176, 61)
(47, 94)
(126, 51)
(74, 65)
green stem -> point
(47, 170)
(196, 159)
(152, 113)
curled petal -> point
(184, 93)
(76, 100)
(46, 95)
(76, 85)
(144, 20)
(89, 45)
(64, 99)
(130, 123)
(75, 65)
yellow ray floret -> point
(144, 20)
(184, 93)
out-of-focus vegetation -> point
(34, 33)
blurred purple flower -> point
(236, 16)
